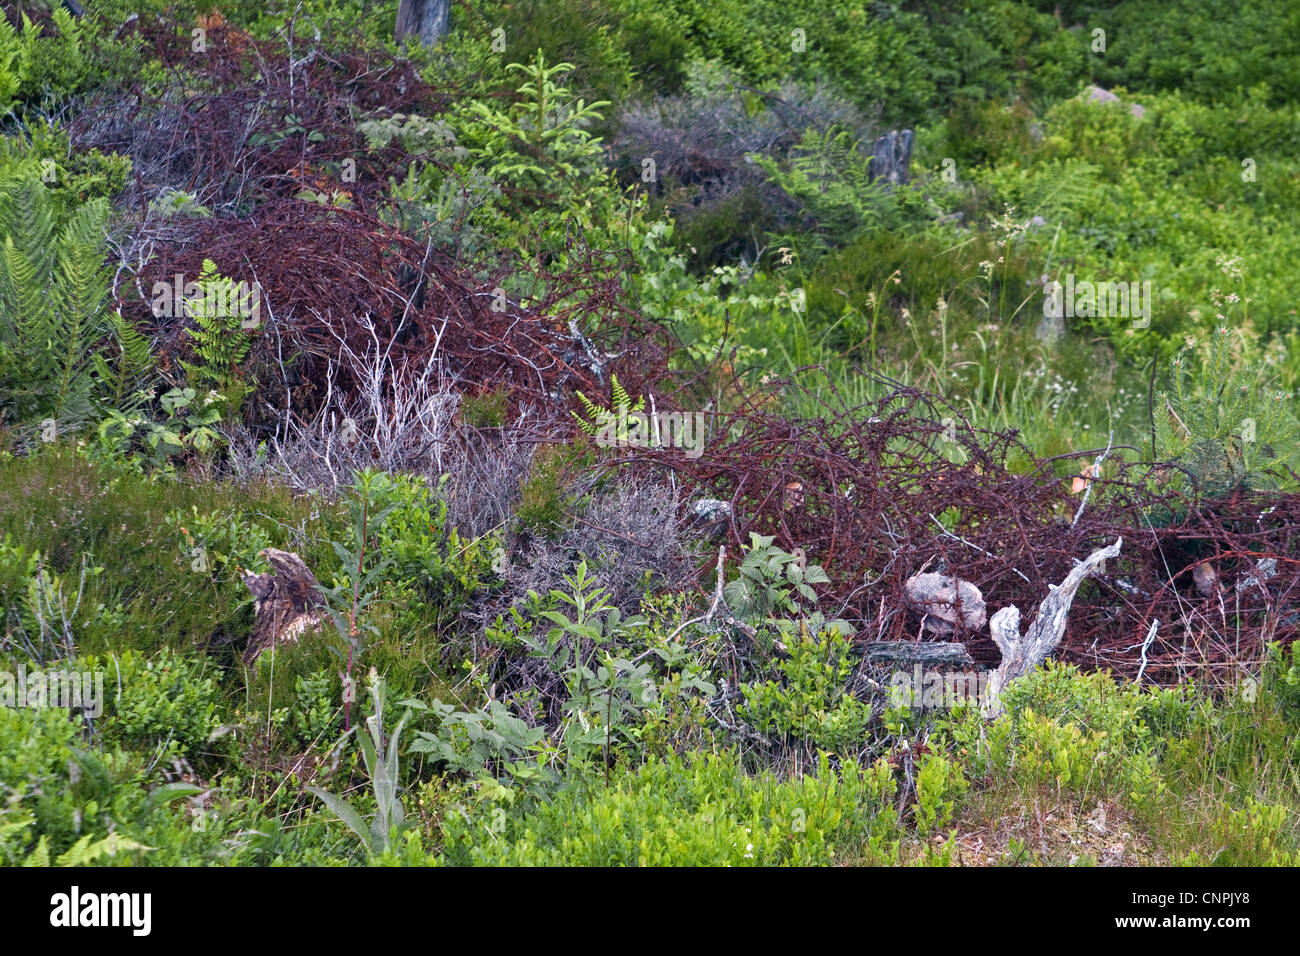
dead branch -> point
(1021, 654)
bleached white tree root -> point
(1022, 653)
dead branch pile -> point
(881, 492)
(247, 129)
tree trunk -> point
(426, 20)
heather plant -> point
(544, 496)
(702, 155)
(47, 610)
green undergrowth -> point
(191, 757)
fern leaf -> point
(40, 856)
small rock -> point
(711, 509)
(1097, 95)
(1206, 578)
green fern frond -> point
(1056, 189)
(219, 340)
(53, 285)
(84, 851)
(589, 425)
(598, 417)
(134, 362)
(40, 855)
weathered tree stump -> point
(1021, 654)
(891, 157)
(426, 20)
(289, 603)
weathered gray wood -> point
(1021, 654)
(426, 20)
(891, 157)
(910, 652)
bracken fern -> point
(53, 318)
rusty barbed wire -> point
(879, 492)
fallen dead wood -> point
(1022, 653)
(911, 652)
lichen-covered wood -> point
(915, 652)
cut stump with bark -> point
(891, 157)
(426, 20)
(289, 602)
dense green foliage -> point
(719, 153)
